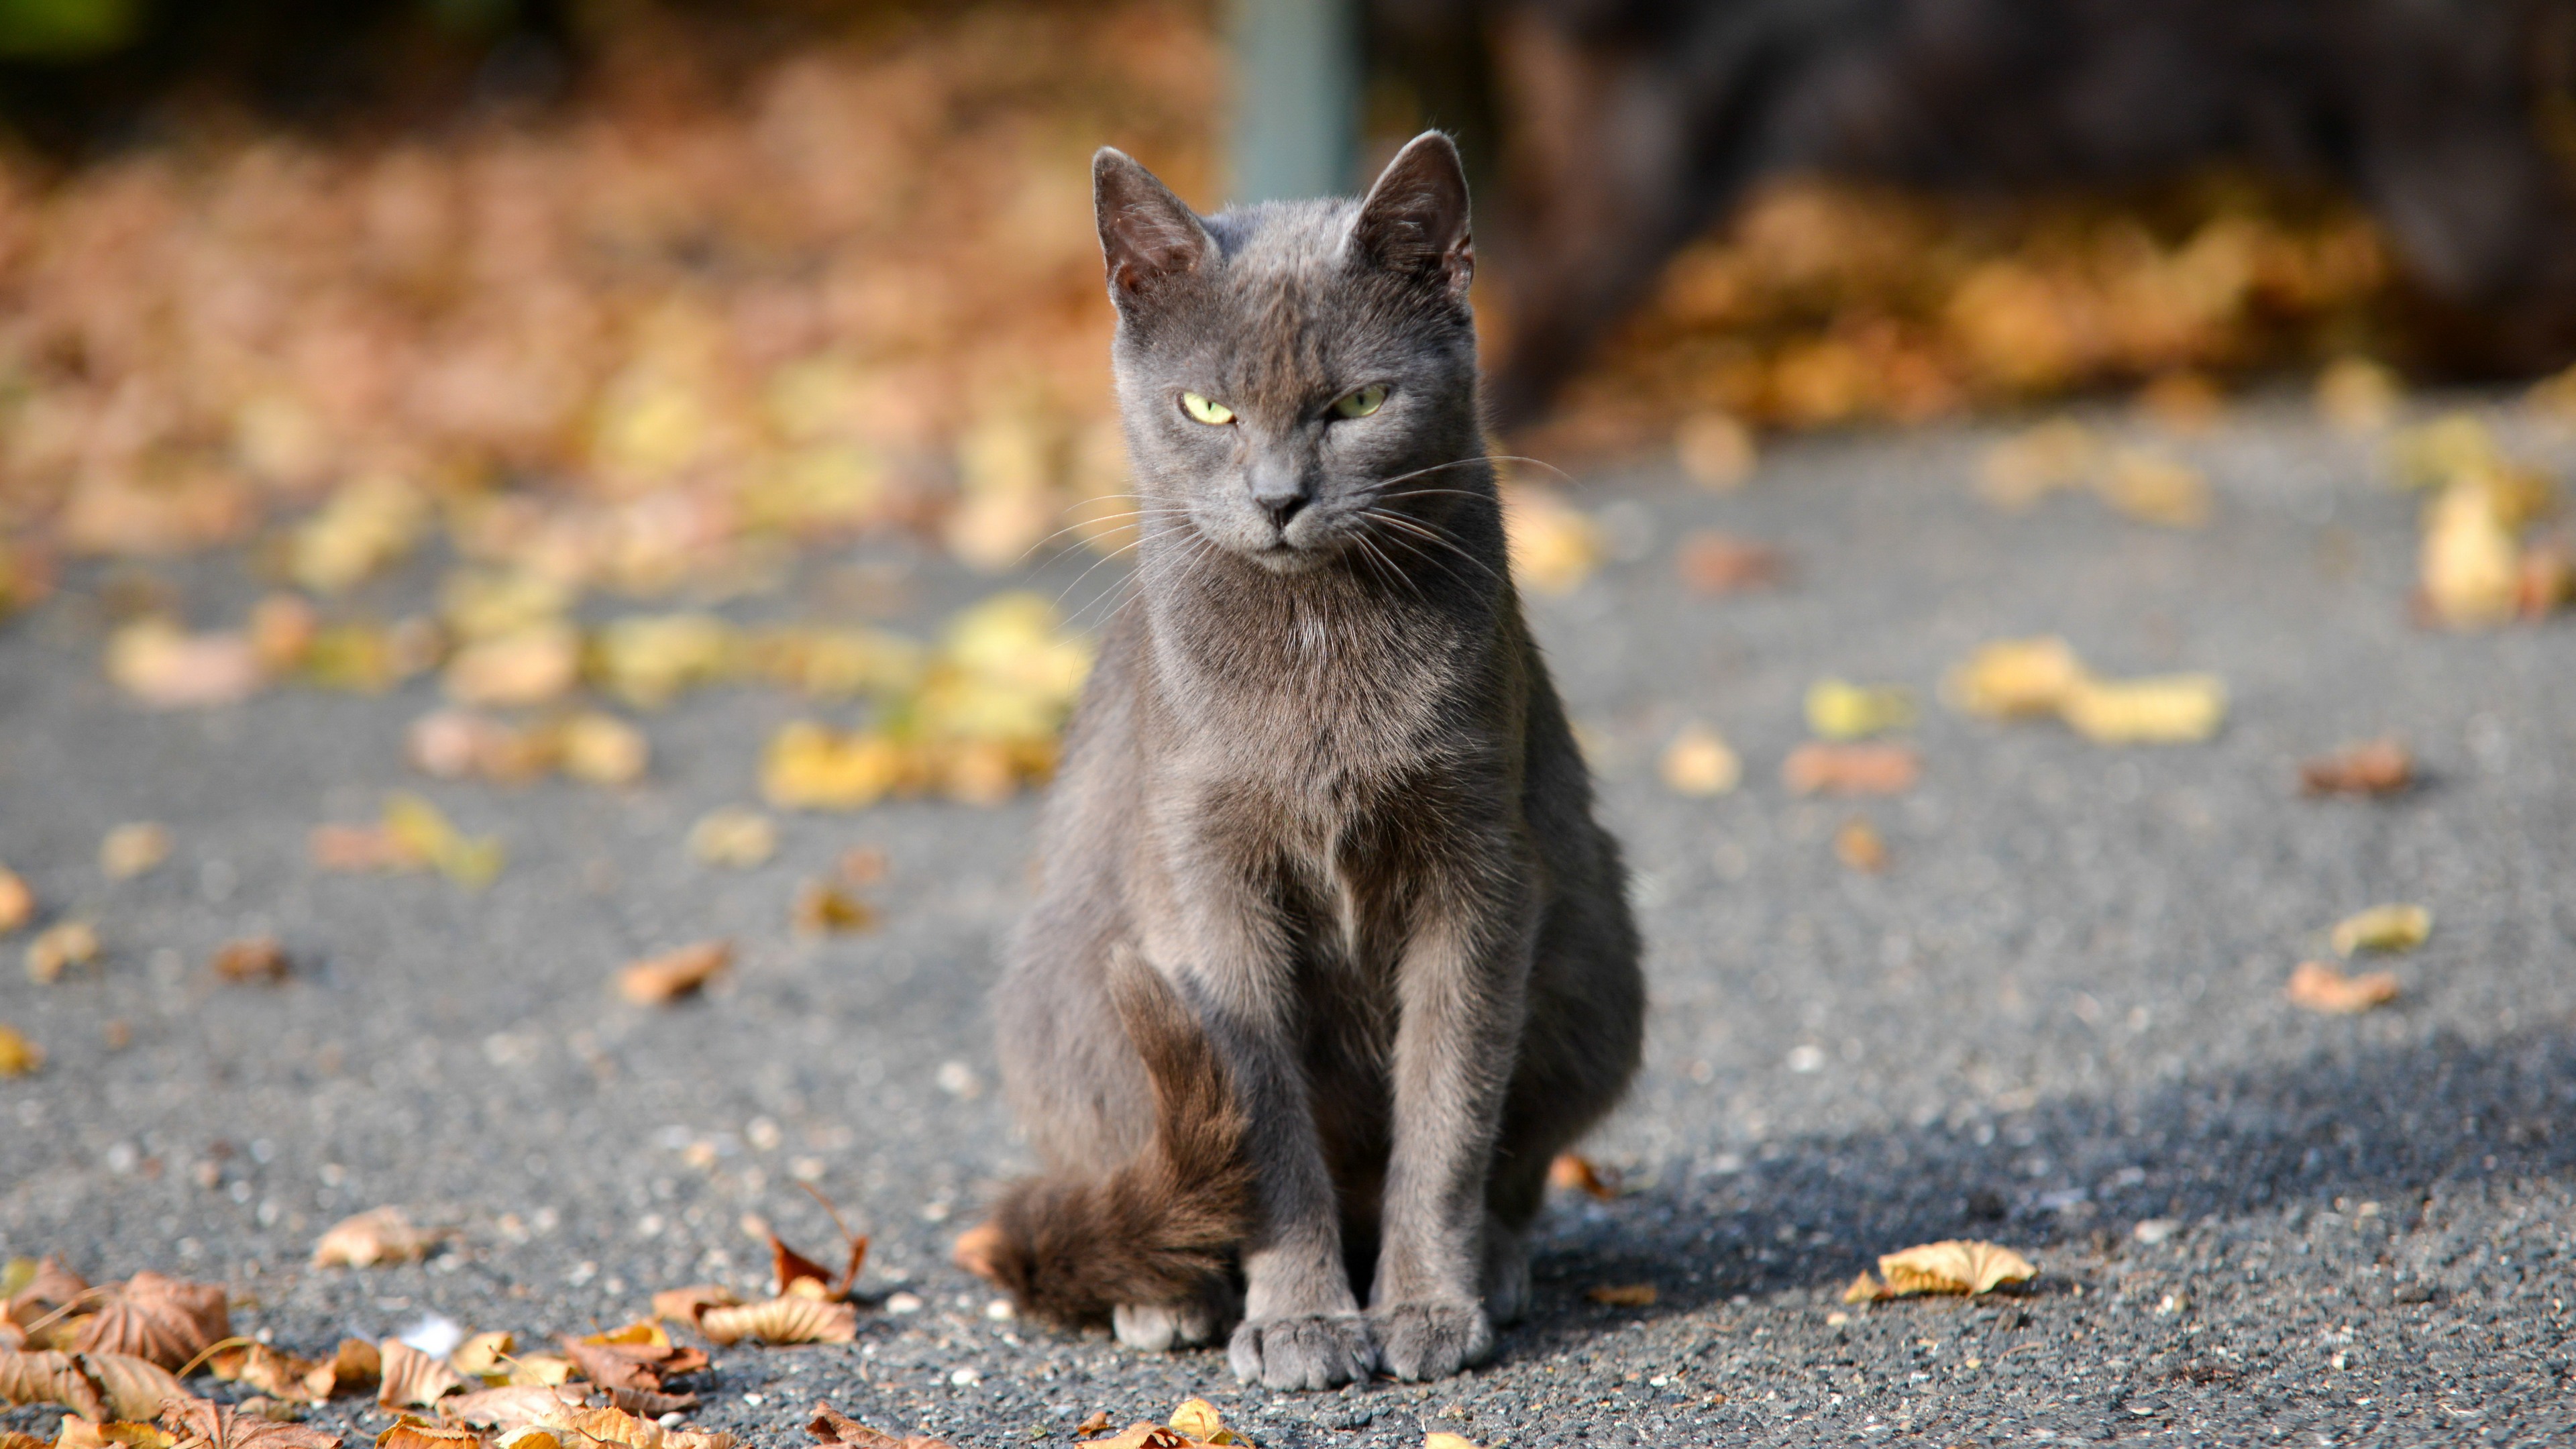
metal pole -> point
(1297, 95)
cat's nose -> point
(1280, 497)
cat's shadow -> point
(2365, 1124)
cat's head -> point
(1284, 367)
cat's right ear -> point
(1148, 236)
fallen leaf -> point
(1554, 547)
(1098, 1422)
(59, 947)
(360, 848)
(459, 744)
(378, 1235)
(166, 668)
(733, 836)
(2383, 928)
(2470, 564)
(1143, 1434)
(1439, 1439)
(132, 850)
(807, 767)
(278, 1374)
(1716, 563)
(1573, 1172)
(282, 628)
(423, 831)
(1865, 1289)
(601, 749)
(2048, 458)
(1818, 768)
(1953, 1266)
(1859, 847)
(861, 865)
(822, 908)
(685, 1304)
(17, 901)
(509, 1407)
(39, 1287)
(1699, 762)
(788, 1318)
(259, 959)
(1715, 451)
(2155, 489)
(637, 1356)
(410, 1379)
(1623, 1295)
(658, 980)
(1839, 710)
(1198, 1421)
(2378, 767)
(355, 1364)
(18, 1056)
(363, 527)
(699, 1439)
(204, 1425)
(482, 1353)
(2183, 400)
(48, 1378)
(408, 1432)
(609, 1426)
(80, 1434)
(2319, 986)
(526, 666)
(831, 1426)
(649, 1403)
(2015, 678)
(2163, 709)
(167, 1321)
(134, 1388)
(2357, 394)
(276, 1411)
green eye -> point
(1214, 414)
(1361, 403)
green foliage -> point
(67, 29)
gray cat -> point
(1330, 957)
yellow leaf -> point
(132, 850)
(59, 947)
(1864, 1289)
(649, 660)
(1198, 1419)
(733, 836)
(2155, 489)
(1953, 1266)
(2383, 928)
(166, 668)
(419, 829)
(17, 901)
(2357, 394)
(2030, 465)
(528, 665)
(788, 1318)
(825, 909)
(18, 1056)
(806, 767)
(1440, 1439)
(1840, 710)
(2015, 678)
(2164, 709)
(602, 749)
(1554, 547)
(365, 526)
(1698, 762)
(2470, 563)
(481, 1353)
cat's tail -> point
(1159, 1229)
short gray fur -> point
(1321, 783)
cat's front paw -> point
(1313, 1351)
(1419, 1341)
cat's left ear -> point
(1414, 220)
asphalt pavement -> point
(2054, 1019)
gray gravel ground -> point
(2055, 1019)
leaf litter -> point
(2022, 678)
(1954, 1266)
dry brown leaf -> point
(831, 1426)
(1573, 1172)
(609, 1426)
(685, 1304)
(1717, 563)
(1840, 710)
(1953, 1266)
(360, 848)
(1623, 1295)
(2319, 986)
(1865, 1289)
(1097, 1423)
(1699, 762)
(356, 1364)
(509, 1406)
(2383, 928)
(17, 901)
(796, 1273)
(976, 1250)
(658, 980)
(278, 1374)
(788, 1318)
(378, 1235)
(1859, 847)
(1820, 768)
(166, 668)
(2378, 767)
(165, 1320)
(12, 1439)
(482, 1353)
(699, 1439)
(824, 909)
(58, 948)
(650, 1403)
(203, 1425)
(132, 850)
(637, 1356)
(532, 665)
(18, 1056)
(48, 1378)
(1143, 1434)
(261, 1406)
(408, 1432)
(81, 1434)
(1197, 1420)
(257, 960)
(410, 1379)
(2155, 489)
(134, 1388)
(38, 1288)
(602, 749)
